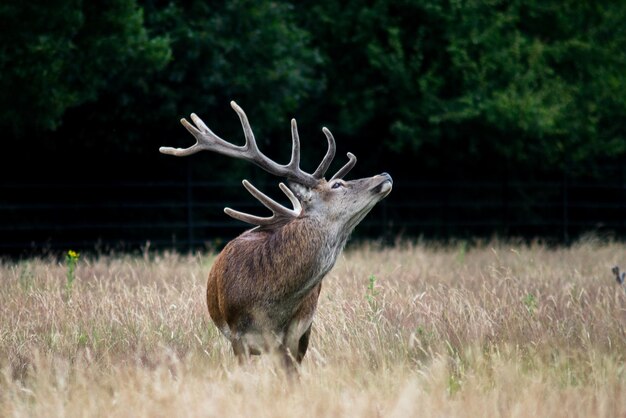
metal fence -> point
(188, 214)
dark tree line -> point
(422, 88)
(532, 82)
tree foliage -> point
(527, 80)
(60, 54)
(534, 83)
(243, 50)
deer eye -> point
(336, 185)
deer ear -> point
(303, 193)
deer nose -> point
(385, 174)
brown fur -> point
(261, 282)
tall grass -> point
(497, 330)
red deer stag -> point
(263, 288)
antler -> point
(280, 212)
(207, 140)
(347, 167)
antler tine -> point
(270, 203)
(328, 158)
(200, 124)
(247, 218)
(279, 211)
(247, 129)
(183, 152)
(297, 207)
(344, 170)
(294, 163)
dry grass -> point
(501, 330)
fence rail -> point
(187, 214)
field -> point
(498, 329)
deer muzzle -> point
(383, 184)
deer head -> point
(264, 285)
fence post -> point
(623, 198)
(386, 229)
(190, 224)
(504, 186)
(565, 207)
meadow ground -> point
(414, 330)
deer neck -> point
(318, 247)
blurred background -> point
(495, 118)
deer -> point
(263, 287)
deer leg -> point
(289, 362)
(239, 348)
(303, 344)
(244, 347)
(299, 341)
